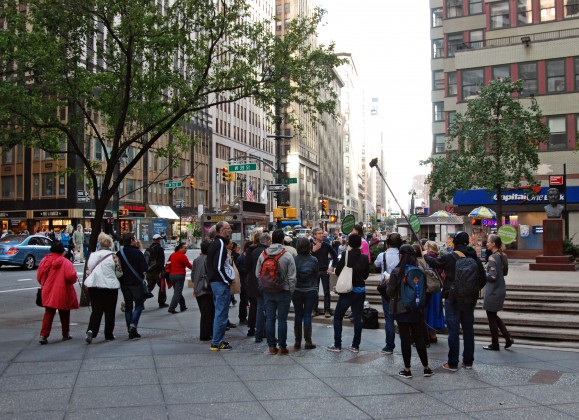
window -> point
(528, 73)
(7, 156)
(7, 187)
(571, 8)
(472, 80)
(475, 7)
(437, 48)
(547, 9)
(501, 71)
(453, 8)
(439, 143)
(98, 150)
(278, 9)
(454, 42)
(438, 80)
(576, 73)
(476, 38)
(438, 111)
(556, 76)
(49, 184)
(436, 17)
(287, 8)
(452, 85)
(451, 115)
(500, 15)
(558, 128)
(524, 12)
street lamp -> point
(412, 194)
(278, 136)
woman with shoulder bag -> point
(179, 263)
(495, 292)
(409, 322)
(104, 270)
(355, 298)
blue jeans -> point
(356, 301)
(260, 317)
(325, 279)
(459, 315)
(221, 297)
(133, 294)
(277, 305)
(178, 281)
(303, 305)
(389, 328)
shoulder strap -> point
(384, 262)
(129, 264)
(100, 261)
(460, 254)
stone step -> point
(560, 307)
(543, 296)
(539, 320)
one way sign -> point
(276, 188)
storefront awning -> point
(164, 212)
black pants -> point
(153, 279)
(414, 330)
(207, 309)
(252, 316)
(102, 301)
(243, 301)
(496, 324)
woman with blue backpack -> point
(407, 290)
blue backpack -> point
(413, 288)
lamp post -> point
(412, 194)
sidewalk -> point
(169, 374)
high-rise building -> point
(476, 41)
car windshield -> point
(12, 238)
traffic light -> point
(231, 176)
(224, 174)
(333, 218)
(192, 182)
(322, 205)
(325, 208)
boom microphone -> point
(373, 162)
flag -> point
(263, 196)
(249, 193)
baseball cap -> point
(461, 238)
(156, 236)
(287, 240)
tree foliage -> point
(131, 72)
(492, 146)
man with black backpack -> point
(465, 276)
(155, 256)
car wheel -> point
(29, 262)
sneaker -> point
(184, 309)
(172, 311)
(133, 333)
(448, 367)
(464, 365)
(88, 338)
(272, 350)
(66, 337)
(334, 349)
(42, 340)
(428, 372)
(163, 305)
(405, 373)
(110, 338)
(492, 348)
(509, 343)
(251, 332)
(123, 306)
(327, 314)
(386, 350)
(354, 349)
(223, 346)
(231, 325)
(283, 351)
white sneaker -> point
(334, 349)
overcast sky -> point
(390, 44)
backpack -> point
(413, 289)
(465, 288)
(270, 277)
(370, 319)
(433, 280)
(151, 262)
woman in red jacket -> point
(178, 263)
(57, 277)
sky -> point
(390, 45)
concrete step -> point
(543, 296)
(558, 307)
(535, 320)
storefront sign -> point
(91, 213)
(9, 214)
(518, 196)
(49, 213)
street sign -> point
(507, 233)
(348, 224)
(243, 167)
(82, 196)
(414, 223)
(173, 184)
(287, 181)
(276, 188)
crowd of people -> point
(270, 275)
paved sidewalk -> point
(170, 374)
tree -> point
(498, 140)
(131, 73)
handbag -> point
(204, 280)
(39, 297)
(145, 285)
(344, 283)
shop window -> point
(436, 17)
(438, 111)
(556, 76)
(528, 73)
(452, 84)
(571, 9)
(454, 42)
(501, 72)
(454, 8)
(558, 128)
(439, 143)
(475, 7)
(437, 48)
(500, 15)
(472, 80)
(438, 80)
(547, 10)
(524, 12)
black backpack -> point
(465, 288)
(151, 262)
(370, 319)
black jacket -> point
(448, 262)
(360, 266)
(156, 254)
(137, 260)
(216, 257)
(251, 257)
(323, 256)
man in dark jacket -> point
(220, 275)
(323, 251)
(156, 269)
(257, 318)
(134, 265)
(458, 314)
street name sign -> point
(276, 188)
(287, 181)
(243, 167)
(173, 184)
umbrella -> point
(441, 213)
(482, 213)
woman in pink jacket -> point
(57, 277)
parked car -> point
(25, 251)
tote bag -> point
(344, 283)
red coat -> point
(57, 277)
(179, 262)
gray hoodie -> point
(287, 265)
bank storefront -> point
(523, 209)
